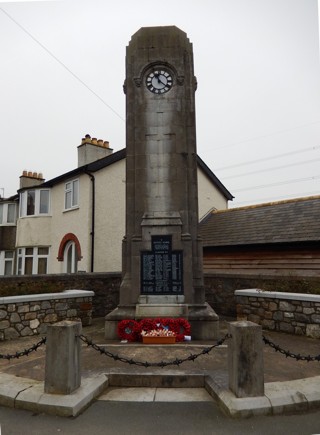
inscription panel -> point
(161, 268)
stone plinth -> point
(202, 318)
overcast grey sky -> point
(258, 98)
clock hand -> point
(160, 81)
(157, 76)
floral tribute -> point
(127, 330)
(133, 330)
(158, 333)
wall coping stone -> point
(277, 295)
(66, 294)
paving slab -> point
(11, 386)
(297, 395)
(29, 394)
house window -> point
(44, 202)
(6, 262)
(70, 258)
(35, 202)
(7, 214)
(71, 195)
(33, 261)
(31, 197)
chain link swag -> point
(289, 354)
(146, 364)
(25, 352)
(175, 362)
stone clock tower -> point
(162, 253)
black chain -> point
(175, 362)
(147, 364)
(289, 354)
(25, 352)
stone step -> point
(156, 395)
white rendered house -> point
(76, 221)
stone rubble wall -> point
(22, 316)
(220, 288)
(293, 313)
(104, 285)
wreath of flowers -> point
(183, 327)
(131, 330)
(127, 330)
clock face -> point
(159, 81)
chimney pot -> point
(29, 174)
(94, 141)
(24, 173)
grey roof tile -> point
(281, 222)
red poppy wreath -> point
(127, 330)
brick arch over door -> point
(70, 237)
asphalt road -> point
(155, 418)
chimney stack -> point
(30, 179)
(92, 149)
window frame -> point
(37, 203)
(4, 260)
(73, 192)
(4, 213)
(24, 254)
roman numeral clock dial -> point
(159, 81)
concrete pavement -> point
(291, 386)
(156, 418)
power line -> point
(274, 198)
(280, 183)
(251, 162)
(62, 64)
(266, 135)
(270, 169)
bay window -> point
(35, 202)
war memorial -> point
(162, 252)
(161, 277)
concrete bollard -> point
(245, 359)
(62, 370)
